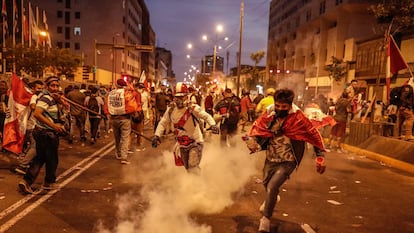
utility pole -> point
(240, 47)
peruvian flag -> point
(143, 79)
(16, 121)
(395, 62)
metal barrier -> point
(359, 132)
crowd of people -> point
(270, 122)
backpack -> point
(234, 111)
(198, 98)
(93, 105)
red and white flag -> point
(395, 62)
(16, 122)
(143, 79)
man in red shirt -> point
(245, 104)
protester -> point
(4, 99)
(342, 108)
(189, 139)
(229, 110)
(76, 111)
(122, 102)
(94, 103)
(46, 134)
(405, 114)
(208, 103)
(146, 102)
(282, 130)
(160, 105)
(266, 101)
(245, 105)
(137, 124)
(29, 151)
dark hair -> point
(345, 95)
(121, 82)
(284, 96)
(354, 81)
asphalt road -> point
(98, 194)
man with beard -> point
(282, 130)
(185, 116)
(46, 134)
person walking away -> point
(29, 151)
(146, 102)
(229, 110)
(245, 104)
(342, 108)
(46, 134)
(189, 140)
(80, 116)
(283, 131)
(122, 102)
(405, 115)
(209, 103)
(160, 105)
(94, 103)
(137, 124)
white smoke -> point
(170, 195)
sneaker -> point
(50, 186)
(21, 170)
(130, 152)
(25, 187)
(264, 225)
(92, 141)
(125, 162)
(118, 157)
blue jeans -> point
(275, 174)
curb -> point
(395, 163)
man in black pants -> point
(46, 134)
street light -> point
(219, 29)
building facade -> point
(105, 39)
(304, 36)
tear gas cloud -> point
(171, 194)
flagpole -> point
(4, 24)
(30, 24)
(22, 21)
(14, 34)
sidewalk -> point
(393, 152)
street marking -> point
(87, 162)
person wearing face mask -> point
(189, 140)
(282, 130)
(29, 152)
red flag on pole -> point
(143, 79)
(16, 123)
(395, 62)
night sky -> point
(179, 22)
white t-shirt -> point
(31, 122)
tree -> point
(337, 69)
(397, 15)
(34, 60)
(256, 58)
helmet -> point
(270, 91)
(180, 89)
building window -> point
(59, 14)
(322, 7)
(67, 3)
(77, 15)
(77, 31)
(337, 2)
(77, 46)
(59, 30)
(67, 45)
(67, 33)
(67, 17)
(308, 15)
(59, 44)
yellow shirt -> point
(264, 103)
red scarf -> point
(296, 126)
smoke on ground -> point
(171, 194)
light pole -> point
(219, 29)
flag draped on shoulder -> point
(395, 62)
(16, 121)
